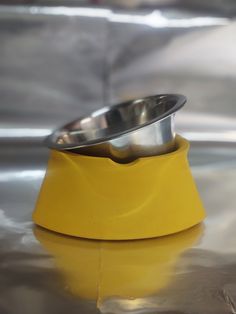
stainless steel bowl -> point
(123, 132)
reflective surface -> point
(191, 272)
(123, 132)
(58, 63)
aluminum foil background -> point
(59, 62)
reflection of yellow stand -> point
(99, 270)
(94, 197)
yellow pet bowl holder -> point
(97, 198)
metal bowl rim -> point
(50, 143)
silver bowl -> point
(124, 132)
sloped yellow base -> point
(94, 197)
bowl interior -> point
(109, 122)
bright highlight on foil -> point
(155, 19)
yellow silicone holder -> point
(97, 198)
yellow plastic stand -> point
(97, 198)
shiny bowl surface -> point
(123, 132)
